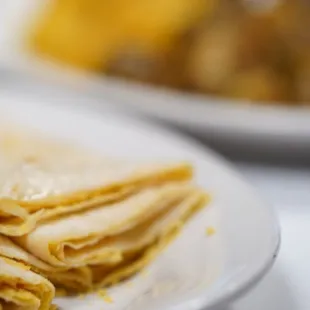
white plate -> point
(272, 126)
(195, 271)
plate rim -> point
(194, 111)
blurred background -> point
(235, 73)
(256, 50)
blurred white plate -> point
(271, 125)
(196, 271)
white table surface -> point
(287, 286)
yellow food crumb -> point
(104, 295)
(144, 273)
(210, 231)
(108, 299)
(81, 296)
(129, 284)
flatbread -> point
(165, 230)
(73, 279)
(41, 179)
(21, 288)
(133, 247)
(80, 239)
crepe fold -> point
(21, 288)
(105, 234)
(42, 180)
(125, 237)
(72, 279)
(158, 235)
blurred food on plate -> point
(245, 49)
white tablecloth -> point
(287, 286)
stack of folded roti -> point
(71, 219)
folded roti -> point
(84, 221)
(21, 288)
(104, 235)
(166, 230)
(41, 179)
(73, 279)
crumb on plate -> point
(129, 284)
(104, 295)
(144, 273)
(210, 231)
